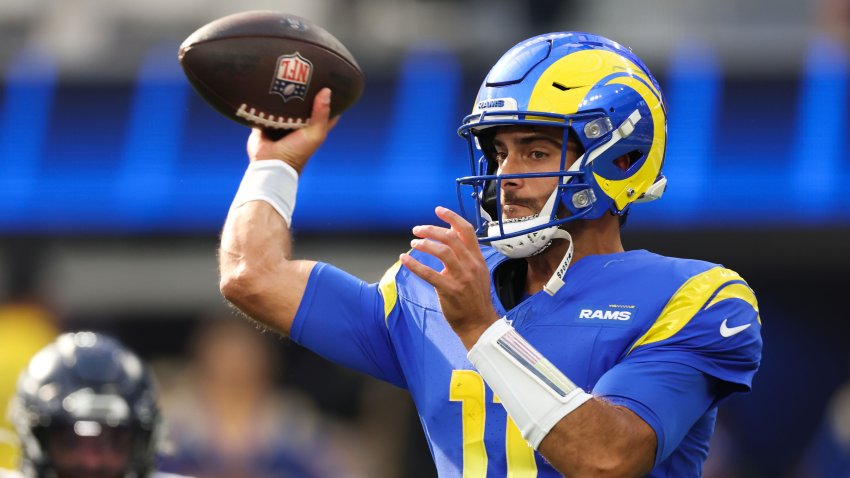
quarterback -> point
(531, 342)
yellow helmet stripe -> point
(584, 69)
(645, 176)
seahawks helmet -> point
(604, 98)
(85, 388)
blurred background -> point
(115, 179)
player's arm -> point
(257, 272)
(600, 439)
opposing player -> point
(552, 351)
(86, 408)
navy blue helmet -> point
(86, 406)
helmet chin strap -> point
(535, 242)
(554, 284)
(557, 280)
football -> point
(263, 69)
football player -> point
(85, 407)
(551, 350)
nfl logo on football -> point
(292, 77)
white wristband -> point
(534, 393)
(274, 182)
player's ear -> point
(626, 161)
(623, 162)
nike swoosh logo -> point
(727, 331)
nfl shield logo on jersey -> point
(292, 77)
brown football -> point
(264, 68)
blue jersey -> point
(668, 338)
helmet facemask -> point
(91, 449)
(481, 195)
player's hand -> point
(296, 147)
(463, 286)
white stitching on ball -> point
(260, 118)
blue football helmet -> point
(604, 98)
(85, 392)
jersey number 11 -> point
(467, 387)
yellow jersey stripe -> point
(737, 290)
(388, 289)
(685, 303)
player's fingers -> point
(316, 132)
(441, 251)
(464, 229)
(445, 235)
(296, 148)
(320, 117)
(421, 270)
(436, 233)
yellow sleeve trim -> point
(690, 299)
(388, 289)
(737, 291)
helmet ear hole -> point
(626, 161)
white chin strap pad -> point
(525, 245)
(528, 244)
